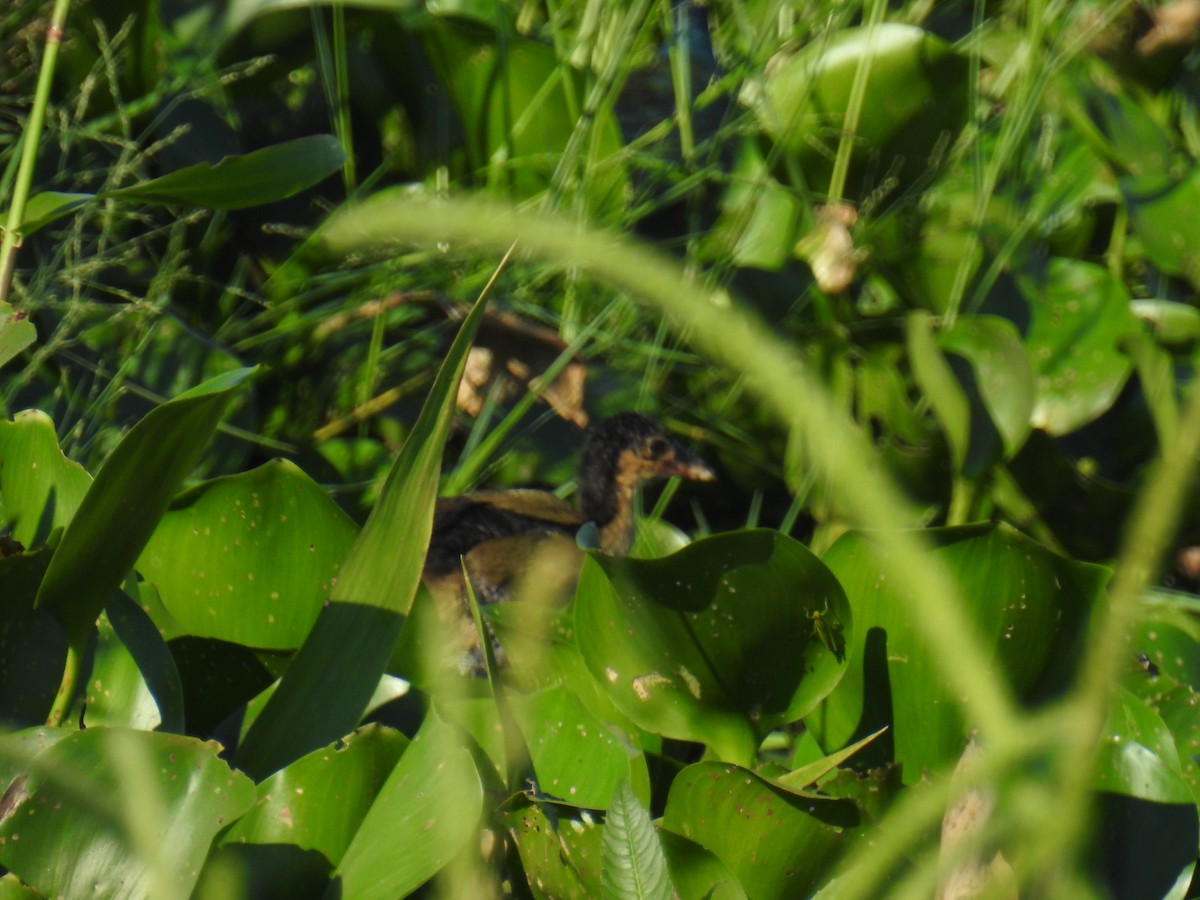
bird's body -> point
(505, 536)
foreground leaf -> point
(121, 814)
(717, 642)
(249, 558)
(429, 808)
(633, 864)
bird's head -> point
(628, 450)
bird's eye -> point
(657, 447)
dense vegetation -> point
(918, 278)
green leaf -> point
(41, 488)
(1004, 376)
(314, 807)
(1171, 322)
(118, 813)
(519, 105)
(559, 849)
(715, 643)
(1138, 758)
(1161, 212)
(250, 179)
(133, 681)
(249, 558)
(50, 206)
(16, 332)
(1080, 317)
(355, 632)
(807, 94)
(577, 757)
(125, 502)
(776, 844)
(1026, 603)
(633, 864)
(430, 806)
(697, 873)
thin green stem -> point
(31, 139)
(69, 683)
(858, 91)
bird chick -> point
(504, 535)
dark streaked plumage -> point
(501, 534)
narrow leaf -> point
(125, 502)
(633, 861)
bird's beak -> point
(690, 466)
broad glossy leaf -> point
(717, 642)
(356, 631)
(577, 757)
(1027, 605)
(424, 815)
(697, 873)
(249, 558)
(250, 179)
(316, 806)
(1161, 210)
(776, 844)
(1138, 756)
(1080, 315)
(633, 861)
(1004, 376)
(807, 94)
(133, 681)
(41, 488)
(125, 501)
(122, 814)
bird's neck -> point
(606, 498)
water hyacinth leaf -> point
(133, 681)
(1027, 604)
(697, 873)
(250, 179)
(776, 844)
(1161, 212)
(40, 486)
(430, 806)
(249, 558)
(1080, 316)
(75, 828)
(633, 861)
(126, 500)
(316, 805)
(1004, 376)
(807, 94)
(1139, 758)
(577, 757)
(717, 642)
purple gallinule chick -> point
(502, 534)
